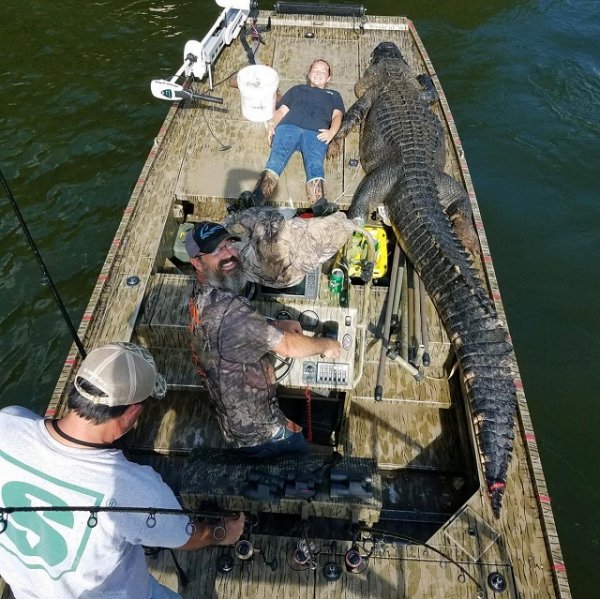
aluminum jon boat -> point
(392, 500)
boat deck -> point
(418, 437)
(403, 571)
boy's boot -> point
(320, 205)
(265, 186)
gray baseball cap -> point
(123, 372)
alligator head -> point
(386, 51)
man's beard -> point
(231, 280)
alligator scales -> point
(402, 154)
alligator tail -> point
(481, 342)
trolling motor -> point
(169, 90)
(198, 57)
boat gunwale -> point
(528, 438)
(83, 331)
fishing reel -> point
(245, 551)
(242, 550)
(303, 555)
(354, 561)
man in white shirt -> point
(72, 462)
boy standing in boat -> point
(307, 118)
(230, 343)
(72, 462)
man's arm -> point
(286, 325)
(297, 345)
(205, 534)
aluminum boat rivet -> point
(225, 564)
(497, 582)
(332, 572)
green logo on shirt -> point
(30, 531)
(51, 540)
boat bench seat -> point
(305, 485)
(163, 328)
(164, 318)
(176, 425)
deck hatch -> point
(471, 533)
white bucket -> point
(258, 87)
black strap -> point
(64, 435)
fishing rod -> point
(407, 539)
(385, 337)
(46, 278)
(94, 510)
(426, 358)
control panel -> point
(325, 374)
(324, 321)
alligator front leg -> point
(429, 93)
(355, 114)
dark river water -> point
(523, 81)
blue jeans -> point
(288, 139)
(161, 592)
(282, 444)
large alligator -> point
(402, 154)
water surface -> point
(522, 77)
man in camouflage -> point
(230, 340)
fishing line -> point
(46, 278)
(242, 64)
(224, 147)
(408, 539)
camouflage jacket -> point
(230, 340)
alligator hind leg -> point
(372, 190)
(455, 203)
